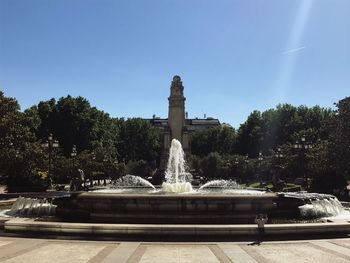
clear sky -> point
(233, 56)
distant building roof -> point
(207, 121)
(191, 124)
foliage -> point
(229, 167)
(140, 168)
(138, 140)
(109, 148)
(212, 166)
(21, 157)
(73, 121)
(217, 139)
(271, 128)
(339, 146)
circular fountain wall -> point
(168, 208)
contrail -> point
(293, 50)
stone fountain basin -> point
(30, 226)
(169, 208)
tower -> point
(176, 117)
(178, 125)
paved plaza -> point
(26, 250)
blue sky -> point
(233, 56)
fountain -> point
(135, 206)
(132, 181)
(177, 179)
(217, 201)
(312, 205)
(176, 201)
(32, 207)
(221, 183)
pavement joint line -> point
(102, 254)
(236, 254)
(219, 254)
(121, 253)
(7, 243)
(327, 250)
(333, 248)
(58, 252)
(254, 254)
(137, 254)
(337, 242)
(19, 248)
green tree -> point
(250, 135)
(212, 166)
(271, 128)
(74, 122)
(140, 168)
(22, 165)
(340, 138)
(218, 139)
(138, 140)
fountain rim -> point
(25, 227)
(173, 195)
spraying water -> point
(320, 205)
(133, 180)
(177, 179)
(221, 183)
(322, 208)
(32, 207)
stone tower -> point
(176, 117)
(178, 125)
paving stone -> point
(3, 243)
(236, 254)
(291, 252)
(19, 246)
(333, 247)
(102, 254)
(25, 250)
(343, 243)
(221, 256)
(176, 254)
(122, 253)
(58, 253)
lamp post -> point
(236, 170)
(92, 168)
(302, 146)
(246, 161)
(278, 169)
(260, 159)
(104, 162)
(73, 154)
(279, 155)
(50, 144)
